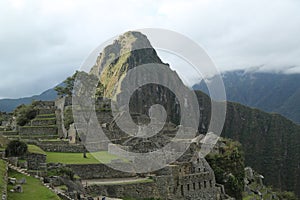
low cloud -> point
(42, 42)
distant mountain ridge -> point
(8, 105)
(271, 92)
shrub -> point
(229, 168)
(25, 113)
(16, 148)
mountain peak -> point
(128, 51)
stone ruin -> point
(190, 177)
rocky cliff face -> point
(133, 50)
(270, 141)
(128, 51)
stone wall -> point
(34, 161)
(161, 188)
(38, 130)
(46, 111)
(6, 133)
(60, 104)
(44, 104)
(43, 122)
(98, 171)
(72, 148)
(62, 147)
(135, 190)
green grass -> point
(45, 116)
(3, 141)
(130, 198)
(32, 189)
(62, 187)
(44, 119)
(46, 126)
(35, 149)
(54, 140)
(131, 182)
(2, 174)
(77, 158)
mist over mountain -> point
(271, 92)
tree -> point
(25, 113)
(228, 166)
(67, 89)
(16, 148)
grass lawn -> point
(2, 174)
(35, 149)
(3, 141)
(32, 189)
(77, 158)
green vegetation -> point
(35, 149)
(68, 87)
(16, 148)
(228, 166)
(270, 142)
(45, 116)
(77, 158)
(3, 142)
(62, 187)
(4, 116)
(138, 181)
(32, 189)
(267, 193)
(44, 119)
(47, 126)
(287, 195)
(129, 198)
(24, 113)
(68, 117)
(54, 140)
(110, 76)
(2, 174)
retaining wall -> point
(98, 171)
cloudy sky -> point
(44, 41)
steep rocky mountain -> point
(271, 142)
(271, 92)
(133, 50)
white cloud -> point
(42, 42)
